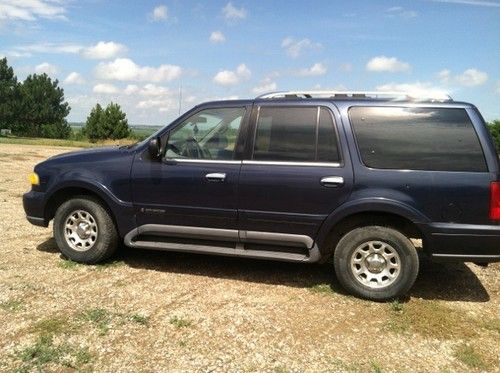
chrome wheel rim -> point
(80, 230)
(375, 264)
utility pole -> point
(180, 98)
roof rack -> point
(406, 96)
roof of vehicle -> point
(350, 97)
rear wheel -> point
(84, 230)
(376, 263)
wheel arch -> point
(121, 212)
(392, 214)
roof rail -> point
(407, 96)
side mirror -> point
(154, 148)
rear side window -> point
(295, 134)
(434, 139)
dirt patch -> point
(153, 311)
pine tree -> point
(93, 128)
(109, 123)
(9, 91)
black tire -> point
(352, 267)
(105, 238)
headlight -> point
(34, 179)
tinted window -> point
(293, 134)
(417, 139)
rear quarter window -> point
(433, 139)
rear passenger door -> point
(296, 171)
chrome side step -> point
(226, 235)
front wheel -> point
(376, 263)
(84, 230)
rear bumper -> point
(463, 242)
(34, 203)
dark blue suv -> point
(359, 178)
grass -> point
(429, 319)
(468, 356)
(12, 306)
(100, 317)
(139, 319)
(111, 264)
(61, 142)
(321, 289)
(180, 322)
(53, 325)
(68, 264)
(45, 352)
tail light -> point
(495, 201)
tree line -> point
(36, 107)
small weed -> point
(321, 289)
(491, 324)
(68, 264)
(396, 306)
(179, 322)
(100, 317)
(44, 352)
(183, 343)
(280, 369)
(12, 305)
(41, 352)
(467, 355)
(139, 319)
(375, 367)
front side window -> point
(295, 134)
(434, 139)
(208, 134)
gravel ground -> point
(152, 311)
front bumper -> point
(34, 207)
(463, 242)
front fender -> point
(123, 211)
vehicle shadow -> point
(436, 281)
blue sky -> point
(138, 53)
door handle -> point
(216, 177)
(332, 181)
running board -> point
(237, 251)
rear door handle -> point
(332, 181)
(216, 177)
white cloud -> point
(230, 12)
(127, 70)
(469, 78)
(49, 48)
(105, 88)
(30, 10)
(46, 68)
(315, 70)
(398, 11)
(217, 37)
(74, 78)
(229, 77)
(103, 50)
(470, 2)
(159, 13)
(472, 77)
(388, 64)
(417, 89)
(294, 48)
(266, 85)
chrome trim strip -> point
(184, 231)
(282, 239)
(306, 164)
(217, 161)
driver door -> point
(195, 184)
